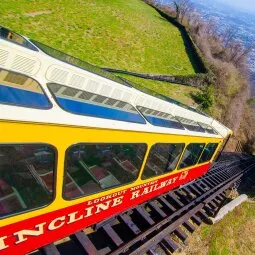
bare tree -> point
(238, 53)
(210, 27)
(228, 36)
(182, 7)
(194, 23)
(177, 10)
(241, 56)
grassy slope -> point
(178, 92)
(114, 33)
(234, 234)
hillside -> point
(175, 91)
(128, 35)
(234, 234)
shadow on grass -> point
(190, 48)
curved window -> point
(191, 155)
(26, 177)
(18, 89)
(160, 119)
(162, 159)
(90, 104)
(208, 152)
(191, 125)
(92, 168)
(209, 129)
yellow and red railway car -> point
(79, 145)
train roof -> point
(92, 97)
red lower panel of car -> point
(29, 234)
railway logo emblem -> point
(183, 175)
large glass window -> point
(191, 155)
(208, 152)
(18, 89)
(26, 177)
(92, 168)
(162, 159)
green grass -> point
(121, 34)
(234, 234)
(177, 92)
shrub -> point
(204, 98)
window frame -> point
(55, 175)
(184, 146)
(191, 127)
(197, 163)
(107, 189)
(181, 127)
(212, 157)
(39, 84)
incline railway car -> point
(79, 145)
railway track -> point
(162, 225)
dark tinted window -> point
(92, 168)
(162, 159)
(208, 152)
(191, 155)
(26, 177)
(18, 89)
